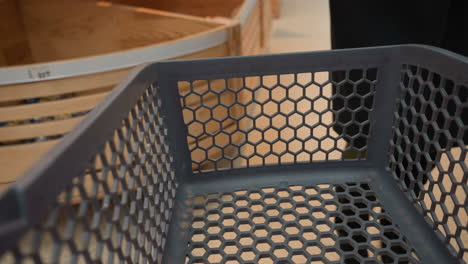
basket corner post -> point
(176, 131)
(385, 103)
(169, 100)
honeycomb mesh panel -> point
(119, 210)
(326, 223)
(429, 153)
(278, 119)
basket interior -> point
(324, 223)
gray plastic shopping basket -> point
(349, 156)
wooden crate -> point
(65, 56)
(255, 16)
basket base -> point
(330, 215)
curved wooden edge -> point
(116, 60)
(91, 82)
(61, 86)
(131, 57)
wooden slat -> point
(267, 20)
(254, 18)
(53, 108)
(15, 160)
(254, 21)
(21, 157)
(61, 86)
(49, 128)
(251, 32)
(254, 49)
(252, 42)
(234, 41)
(252, 26)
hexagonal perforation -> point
(429, 153)
(119, 210)
(278, 119)
(285, 225)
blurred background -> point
(301, 26)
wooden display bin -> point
(62, 57)
(255, 16)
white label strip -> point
(246, 10)
(113, 61)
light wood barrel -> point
(255, 16)
(59, 64)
